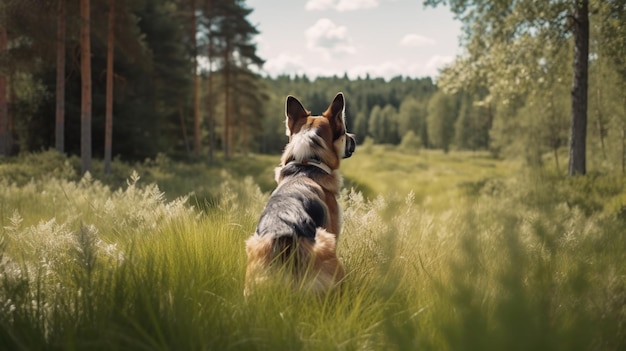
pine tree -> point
(4, 111)
(85, 74)
(108, 124)
(60, 76)
(234, 34)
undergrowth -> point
(523, 262)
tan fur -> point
(322, 270)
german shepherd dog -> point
(298, 229)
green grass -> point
(434, 178)
(442, 252)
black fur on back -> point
(295, 208)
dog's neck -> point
(311, 162)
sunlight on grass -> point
(445, 252)
(435, 178)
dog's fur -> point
(298, 229)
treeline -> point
(145, 65)
(181, 77)
(551, 73)
(402, 110)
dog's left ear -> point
(335, 113)
(294, 111)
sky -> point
(382, 38)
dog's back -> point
(290, 236)
(293, 213)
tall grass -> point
(531, 261)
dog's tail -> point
(280, 251)
(298, 256)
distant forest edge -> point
(511, 94)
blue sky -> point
(384, 38)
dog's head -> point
(322, 138)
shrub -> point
(410, 143)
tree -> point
(412, 117)
(473, 123)
(383, 125)
(494, 34)
(360, 126)
(376, 127)
(209, 16)
(196, 79)
(612, 46)
(60, 82)
(26, 34)
(234, 33)
(108, 124)
(85, 74)
(440, 120)
(4, 111)
(578, 135)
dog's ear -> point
(335, 114)
(294, 111)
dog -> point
(298, 230)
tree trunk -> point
(209, 94)
(556, 159)
(4, 110)
(85, 75)
(60, 93)
(578, 135)
(108, 124)
(210, 110)
(196, 89)
(183, 126)
(600, 122)
(227, 102)
(623, 150)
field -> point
(442, 252)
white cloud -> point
(437, 62)
(329, 39)
(284, 64)
(292, 65)
(340, 5)
(313, 5)
(401, 67)
(416, 40)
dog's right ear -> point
(295, 112)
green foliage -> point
(363, 97)
(522, 261)
(442, 114)
(471, 129)
(200, 183)
(383, 125)
(412, 117)
(518, 65)
(410, 142)
(510, 265)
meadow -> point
(454, 251)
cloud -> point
(340, 5)
(329, 39)
(437, 62)
(293, 65)
(284, 64)
(401, 67)
(416, 40)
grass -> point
(434, 178)
(443, 252)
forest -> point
(483, 209)
(180, 76)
